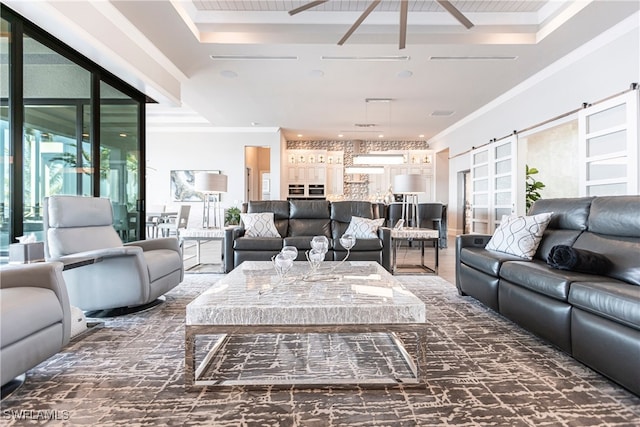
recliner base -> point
(123, 311)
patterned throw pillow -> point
(364, 228)
(519, 235)
(259, 225)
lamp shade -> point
(409, 184)
(207, 182)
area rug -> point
(482, 370)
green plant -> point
(533, 187)
(232, 216)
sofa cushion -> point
(259, 224)
(302, 243)
(258, 244)
(615, 216)
(362, 245)
(538, 277)
(554, 237)
(484, 260)
(310, 227)
(309, 209)
(364, 228)
(621, 251)
(25, 311)
(568, 213)
(616, 301)
(519, 235)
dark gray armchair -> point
(130, 275)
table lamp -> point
(209, 184)
(409, 186)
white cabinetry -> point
(307, 167)
(418, 162)
(335, 173)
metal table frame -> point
(406, 236)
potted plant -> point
(533, 187)
(232, 216)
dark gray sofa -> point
(594, 318)
(297, 222)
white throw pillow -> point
(519, 235)
(259, 225)
(364, 228)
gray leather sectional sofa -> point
(595, 318)
(298, 221)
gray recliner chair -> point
(35, 318)
(131, 275)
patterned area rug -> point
(482, 370)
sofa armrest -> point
(230, 235)
(47, 275)
(170, 243)
(467, 241)
(384, 233)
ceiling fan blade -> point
(307, 6)
(359, 21)
(404, 9)
(455, 13)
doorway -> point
(257, 161)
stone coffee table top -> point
(358, 292)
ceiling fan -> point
(404, 9)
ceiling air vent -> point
(442, 113)
(365, 125)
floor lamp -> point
(210, 184)
(409, 186)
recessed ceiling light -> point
(254, 123)
(228, 74)
(381, 136)
(123, 135)
(340, 135)
(299, 135)
(405, 74)
(420, 136)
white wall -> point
(204, 150)
(605, 66)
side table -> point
(201, 235)
(416, 235)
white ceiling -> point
(445, 72)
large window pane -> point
(119, 154)
(57, 158)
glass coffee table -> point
(357, 326)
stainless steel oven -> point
(316, 191)
(296, 190)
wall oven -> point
(306, 192)
(315, 191)
(296, 190)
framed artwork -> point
(182, 185)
